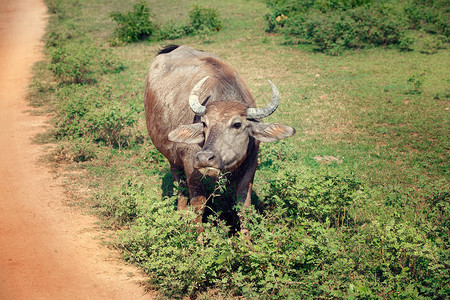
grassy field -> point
(355, 205)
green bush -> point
(429, 15)
(73, 63)
(171, 31)
(120, 204)
(323, 197)
(320, 235)
(63, 9)
(54, 6)
(333, 26)
(61, 36)
(72, 104)
(83, 113)
(285, 259)
(108, 124)
(81, 150)
(136, 25)
(204, 19)
(79, 62)
(201, 21)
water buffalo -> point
(201, 116)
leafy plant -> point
(108, 124)
(81, 150)
(334, 26)
(204, 19)
(201, 21)
(95, 116)
(321, 196)
(54, 6)
(135, 25)
(295, 252)
(72, 105)
(77, 62)
(416, 81)
(73, 63)
(430, 16)
(171, 31)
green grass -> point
(372, 225)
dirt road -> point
(47, 251)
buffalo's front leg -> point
(177, 176)
(197, 198)
(244, 194)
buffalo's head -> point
(225, 131)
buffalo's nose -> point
(206, 159)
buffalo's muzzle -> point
(206, 161)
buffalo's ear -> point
(271, 132)
(189, 134)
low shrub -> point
(284, 253)
(321, 234)
(54, 6)
(204, 19)
(201, 21)
(430, 16)
(41, 89)
(300, 194)
(135, 25)
(108, 124)
(99, 117)
(81, 150)
(122, 203)
(63, 9)
(78, 62)
(71, 104)
(73, 63)
(62, 35)
(334, 26)
(171, 31)
(430, 43)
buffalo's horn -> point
(193, 98)
(259, 113)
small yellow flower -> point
(280, 18)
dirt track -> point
(47, 251)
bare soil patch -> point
(47, 250)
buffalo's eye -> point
(237, 125)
